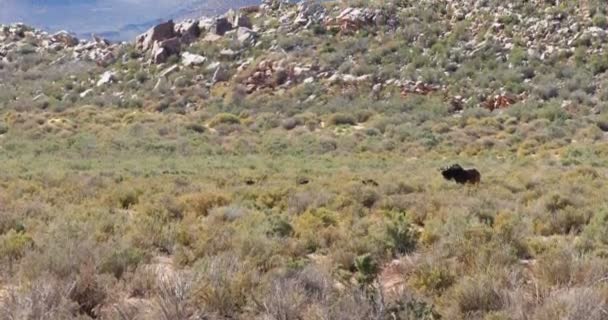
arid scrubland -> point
(293, 173)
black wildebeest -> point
(370, 182)
(302, 181)
(457, 173)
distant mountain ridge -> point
(116, 20)
(195, 9)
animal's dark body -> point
(457, 173)
(370, 182)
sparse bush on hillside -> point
(44, 298)
(225, 119)
(401, 237)
(573, 303)
(198, 128)
(432, 279)
(339, 119)
(291, 123)
(599, 20)
(200, 204)
(222, 285)
(477, 295)
(13, 246)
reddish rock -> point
(498, 102)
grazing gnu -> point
(302, 181)
(370, 182)
(462, 176)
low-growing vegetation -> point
(169, 197)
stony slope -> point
(513, 44)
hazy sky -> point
(85, 15)
(96, 16)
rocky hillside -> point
(476, 54)
(281, 162)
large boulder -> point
(222, 25)
(309, 12)
(106, 78)
(352, 19)
(100, 41)
(188, 31)
(206, 24)
(273, 5)
(97, 49)
(191, 59)
(245, 36)
(220, 75)
(243, 21)
(228, 53)
(86, 93)
(103, 58)
(18, 30)
(159, 55)
(65, 38)
(169, 71)
(162, 50)
(159, 32)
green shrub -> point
(432, 279)
(367, 269)
(553, 112)
(291, 123)
(477, 294)
(88, 292)
(556, 267)
(126, 198)
(200, 204)
(3, 128)
(597, 229)
(198, 128)
(141, 76)
(364, 115)
(508, 19)
(281, 228)
(223, 284)
(13, 246)
(573, 303)
(340, 119)
(599, 20)
(224, 118)
(412, 308)
(121, 261)
(367, 197)
(401, 238)
(599, 64)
